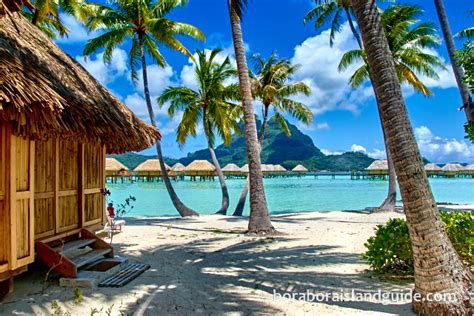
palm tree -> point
(259, 222)
(408, 40)
(438, 268)
(211, 103)
(458, 72)
(45, 14)
(468, 32)
(145, 23)
(270, 84)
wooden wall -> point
(68, 186)
(4, 229)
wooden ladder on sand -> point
(66, 256)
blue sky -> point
(345, 119)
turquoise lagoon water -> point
(284, 195)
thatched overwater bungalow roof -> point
(432, 167)
(300, 168)
(267, 168)
(378, 165)
(178, 167)
(46, 93)
(452, 167)
(112, 164)
(200, 167)
(245, 168)
(150, 166)
(231, 168)
(279, 168)
(470, 167)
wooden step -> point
(125, 275)
(89, 257)
(73, 245)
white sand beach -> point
(207, 266)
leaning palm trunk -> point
(239, 209)
(220, 175)
(438, 269)
(259, 219)
(182, 209)
(458, 71)
(389, 204)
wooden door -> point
(22, 152)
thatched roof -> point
(432, 167)
(279, 168)
(378, 165)
(44, 92)
(178, 167)
(267, 168)
(232, 167)
(470, 167)
(112, 164)
(200, 165)
(245, 168)
(150, 165)
(452, 167)
(300, 168)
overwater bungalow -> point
(202, 169)
(56, 125)
(244, 169)
(114, 170)
(231, 170)
(378, 168)
(433, 169)
(178, 169)
(470, 170)
(150, 170)
(452, 169)
(267, 169)
(300, 170)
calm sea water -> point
(284, 195)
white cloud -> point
(441, 150)
(102, 72)
(377, 154)
(323, 126)
(358, 148)
(319, 62)
(159, 78)
(77, 31)
(328, 152)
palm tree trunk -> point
(259, 219)
(220, 175)
(438, 269)
(182, 209)
(239, 209)
(458, 71)
(389, 204)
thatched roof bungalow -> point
(279, 168)
(244, 169)
(267, 168)
(452, 169)
(470, 169)
(178, 168)
(231, 169)
(432, 169)
(378, 168)
(200, 168)
(151, 168)
(113, 167)
(56, 124)
(300, 169)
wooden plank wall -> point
(93, 184)
(68, 202)
(4, 227)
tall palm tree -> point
(458, 72)
(438, 268)
(211, 103)
(44, 14)
(259, 218)
(467, 32)
(322, 12)
(144, 22)
(270, 84)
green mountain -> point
(287, 151)
(132, 160)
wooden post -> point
(12, 187)
(56, 186)
(31, 214)
(80, 191)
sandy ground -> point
(207, 266)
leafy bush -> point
(390, 252)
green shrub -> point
(390, 252)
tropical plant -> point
(259, 221)
(143, 22)
(271, 84)
(467, 103)
(468, 32)
(45, 14)
(437, 267)
(323, 11)
(211, 104)
(466, 61)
